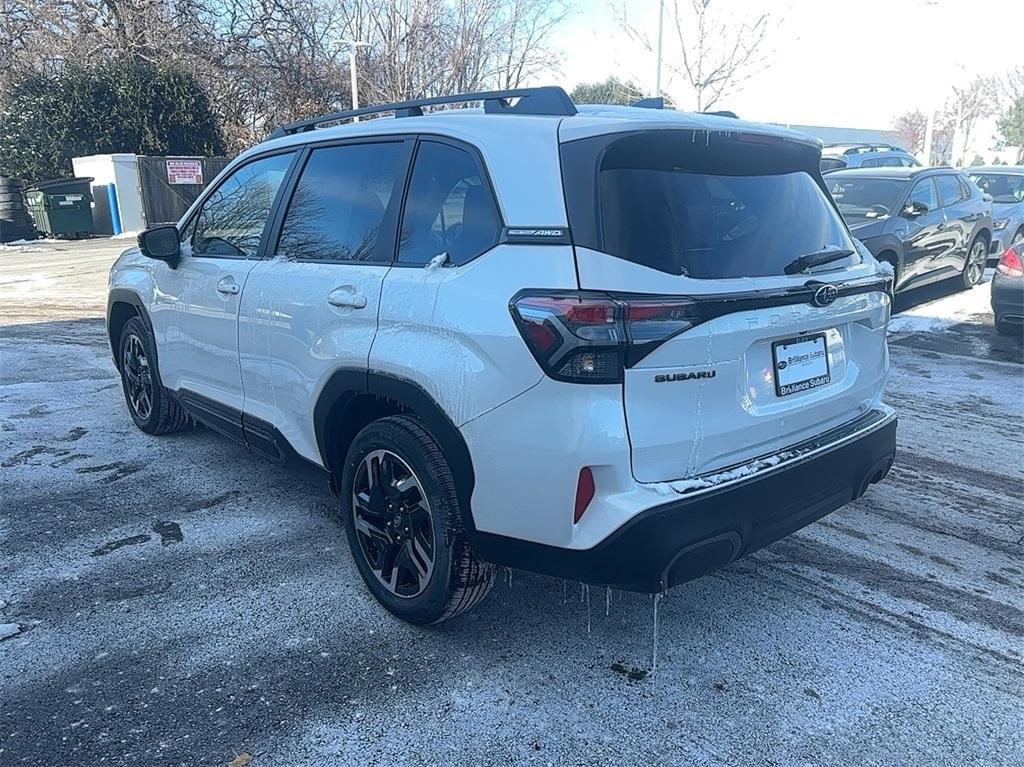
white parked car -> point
(619, 345)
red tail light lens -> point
(586, 337)
(574, 337)
(655, 319)
(584, 493)
(1010, 263)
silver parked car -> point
(1005, 185)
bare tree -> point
(910, 127)
(968, 104)
(262, 62)
(266, 62)
(709, 50)
(1011, 86)
(428, 47)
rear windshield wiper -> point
(817, 258)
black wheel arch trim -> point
(886, 243)
(130, 297)
(344, 385)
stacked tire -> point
(15, 222)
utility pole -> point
(657, 71)
(353, 50)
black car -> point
(929, 223)
(1008, 291)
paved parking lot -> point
(180, 602)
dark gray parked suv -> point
(930, 223)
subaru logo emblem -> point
(825, 295)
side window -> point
(231, 220)
(339, 205)
(965, 189)
(924, 193)
(449, 209)
(949, 190)
(874, 162)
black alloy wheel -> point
(393, 523)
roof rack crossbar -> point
(548, 100)
(853, 147)
(653, 102)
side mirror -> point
(161, 243)
(914, 209)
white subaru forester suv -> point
(621, 345)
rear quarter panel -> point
(449, 329)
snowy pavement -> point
(179, 602)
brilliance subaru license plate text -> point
(800, 364)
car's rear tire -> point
(975, 263)
(150, 405)
(404, 527)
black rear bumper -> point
(1008, 300)
(682, 540)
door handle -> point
(343, 298)
(228, 286)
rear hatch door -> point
(752, 350)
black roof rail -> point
(853, 147)
(654, 102)
(547, 100)
(724, 113)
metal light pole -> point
(657, 71)
(353, 50)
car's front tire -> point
(149, 403)
(975, 263)
(404, 527)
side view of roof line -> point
(548, 100)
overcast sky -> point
(852, 63)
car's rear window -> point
(719, 207)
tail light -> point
(587, 337)
(1010, 264)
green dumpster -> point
(61, 208)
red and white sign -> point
(184, 172)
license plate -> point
(800, 364)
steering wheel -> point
(880, 210)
